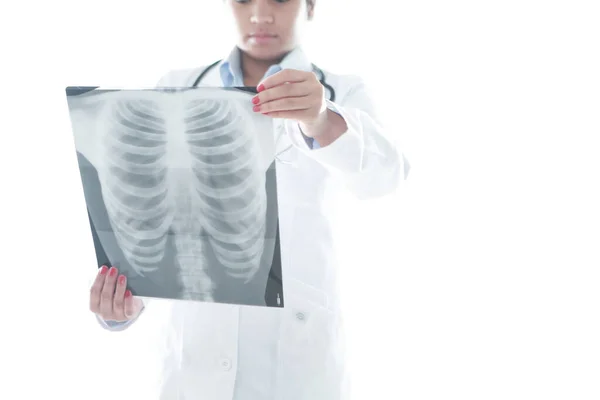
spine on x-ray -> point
(188, 216)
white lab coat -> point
(203, 344)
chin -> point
(265, 53)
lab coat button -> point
(225, 364)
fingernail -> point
(255, 100)
(122, 279)
(256, 108)
(260, 87)
(103, 270)
(113, 271)
(127, 293)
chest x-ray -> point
(180, 188)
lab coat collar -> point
(231, 71)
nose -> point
(262, 12)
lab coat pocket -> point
(307, 318)
(307, 345)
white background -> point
(483, 274)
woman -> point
(330, 135)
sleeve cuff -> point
(116, 326)
(344, 154)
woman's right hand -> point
(110, 299)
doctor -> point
(329, 137)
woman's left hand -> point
(296, 95)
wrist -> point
(326, 129)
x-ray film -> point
(181, 192)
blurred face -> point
(267, 29)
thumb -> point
(133, 305)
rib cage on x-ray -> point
(182, 171)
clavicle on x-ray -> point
(181, 192)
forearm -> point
(361, 155)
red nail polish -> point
(255, 100)
(127, 293)
(122, 279)
(260, 88)
(103, 270)
(256, 108)
(113, 271)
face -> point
(267, 29)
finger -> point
(131, 304)
(108, 292)
(283, 76)
(286, 104)
(118, 300)
(283, 91)
(96, 289)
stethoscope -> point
(320, 75)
